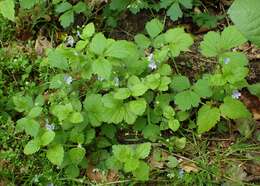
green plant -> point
(245, 15)
(129, 158)
(105, 85)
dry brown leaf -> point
(252, 102)
(41, 44)
(189, 166)
(95, 175)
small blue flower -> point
(226, 61)
(116, 80)
(181, 173)
(68, 79)
(70, 41)
(50, 127)
(236, 94)
(152, 65)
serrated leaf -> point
(202, 88)
(131, 164)
(246, 16)
(47, 137)
(35, 112)
(207, 118)
(55, 154)
(180, 83)
(186, 100)
(31, 147)
(57, 60)
(152, 81)
(122, 93)
(233, 109)
(165, 70)
(30, 126)
(186, 3)
(76, 117)
(231, 37)
(143, 150)
(142, 41)
(174, 12)
(151, 132)
(178, 41)
(254, 89)
(80, 7)
(210, 46)
(102, 68)
(142, 172)
(168, 112)
(27, 4)
(122, 152)
(67, 18)
(72, 171)
(23, 103)
(172, 162)
(98, 44)
(173, 124)
(122, 50)
(76, 155)
(154, 27)
(88, 31)
(7, 9)
(138, 89)
(63, 7)
(137, 106)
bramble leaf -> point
(207, 118)
(233, 109)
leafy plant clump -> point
(89, 93)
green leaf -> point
(178, 40)
(152, 81)
(137, 106)
(35, 112)
(168, 112)
(7, 9)
(57, 60)
(165, 70)
(55, 154)
(122, 50)
(143, 150)
(215, 44)
(119, 5)
(254, 89)
(154, 27)
(207, 118)
(72, 171)
(62, 111)
(122, 93)
(138, 89)
(186, 100)
(233, 59)
(180, 83)
(131, 165)
(47, 137)
(234, 109)
(246, 16)
(210, 46)
(174, 12)
(88, 31)
(98, 44)
(186, 3)
(142, 172)
(30, 126)
(172, 162)
(76, 155)
(80, 7)
(231, 37)
(151, 132)
(202, 88)
(142, 41)
(67, 19)
(102, 68)
(122, 152)
(95, 109)
(27, 4)
(76, 117)
(173, 124)
(63, 7)
(23, 103)
(164, 82)
(31, 147)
